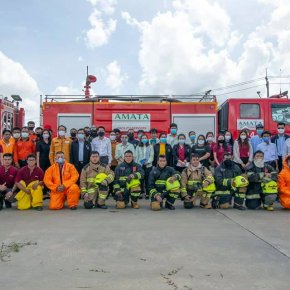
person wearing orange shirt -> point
(22, 148)
(60, 143)
(7, 143)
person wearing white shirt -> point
(123, 147)
(103, 145)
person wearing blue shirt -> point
(279, 141)
(257, 139)
(269, 149)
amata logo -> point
(129, 117)
(125, 121)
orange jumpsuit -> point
(68, 177)
(284, 184)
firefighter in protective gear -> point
(61, 179)
(227, 185)
(163, 183)
(94, 182)
(127, 184)
(284, 183)
(262, 184)
(197, 182)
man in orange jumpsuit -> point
(284, 183)
(61, 179)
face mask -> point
(228, 137)
(173, 131)
(38, 135)
(124, 140)
(144, 141)
(201, 142)
(24, 135)
(139, 136)
(210, 139)
(259, 163)
(192, 137)
(221, 141)
(228, 163)
(81, 136)
(112, 137)
(87, 133)
(94, 134)
(153, 141)
(61, 133)
(130, 135)
(281, 131)
(31, 128)
(181, 141)
(266, 139)
(60, 160)
(260, 131)
(16, 135)
(73, 135)
(163, 140)
(45, 136)
(243, 137)
(101, 134)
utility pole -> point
(267, 84)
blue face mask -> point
(144, 141)
(260, 131)
(60, 160)
(163, 140)
(173, 131)
(192, 137)
(266, 139)
(81, 136)
(181, 141)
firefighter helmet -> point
(175, 185)
(133, 183)
(211, 187)
(100, 177)
(240, 181)
(270, 187)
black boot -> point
(239, 206)
(102, 206)
(169, 206)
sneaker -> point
(269, 207)
(74, 208)
(102, 206)
(169, 206)
(38, 208)
(240, 207)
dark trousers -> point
(104, 159)
(280, 163)
(144, 182)
(2, 199)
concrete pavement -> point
(140, 249)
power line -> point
(240, 90)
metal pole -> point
(267, 85)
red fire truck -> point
(10, 113)
(236, 114)
(137, 112)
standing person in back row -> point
(172, 138)
(22, 148)
(279, 140)
(103, 145)
(60, 143)
(257, 139)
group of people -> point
(253, 172)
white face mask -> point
(24, 135)
(210, 139)
(113, 138)
(201, 142)
(61, 133)
(243, 137)
(259, 163)
(16, 135)
(281, 131)
(228, 137)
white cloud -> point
(189, 49)
(67, 90)
(115, 78)
(14, 79)
(101, 27)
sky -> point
(143, 47)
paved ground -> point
(139, 249)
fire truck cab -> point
(236, 114)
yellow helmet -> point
(240, 181)
(270, 187)
(210, 188)
(100, 177)
(133, 183)
(172, 186)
